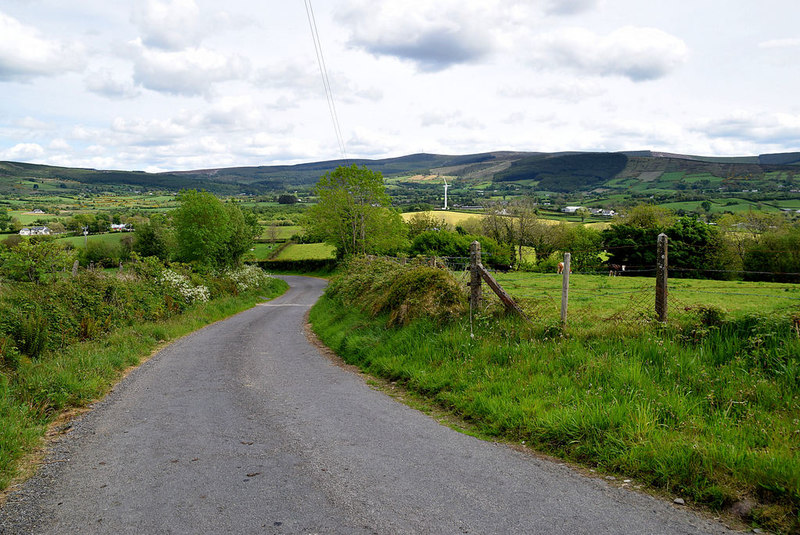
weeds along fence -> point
(626, 295)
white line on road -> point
(281, 305)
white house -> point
(120, 227)
(35, 231)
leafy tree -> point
(424, 221)
(775, 257)
(287, 199)
(353, 213)
(514, 223)
(584, 244)
(695, 248)
(646, 216)
(154, 238)
(209, 232)
(5, 219)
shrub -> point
(180, 285)
(100, 253)
(423, 291)
(9, 354)
(403, 291)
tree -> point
(5, 219)
(646, 216)
(287, 199)
(353, 213)
(695, 248)
(424, 221)
(209, 232)
(154, 238)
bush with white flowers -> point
(182, 285)
(247, 277)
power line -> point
(323, 70)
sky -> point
(159, 85)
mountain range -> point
(566, 172)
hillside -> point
(565, 172)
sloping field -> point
(307, 251)
(458, 218)
(451, 218)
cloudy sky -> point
(187, 84)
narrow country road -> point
(244, 427)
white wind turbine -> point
(446, 185)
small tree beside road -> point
(354, 214)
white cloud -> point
(25, 53)
(432, 35)
(170, 25)
(569, 7)
(59, 144)
(32, 123)
(107, 84)
(304, 81)
(231, 114)
(187, 72)
(148, 132)
(773, 128)
(23, 152)
(636, 53)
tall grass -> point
(708, 409)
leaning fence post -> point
(474, 275)
(661, 279)
(565, 287)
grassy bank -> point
(705, 410)
(34, 393)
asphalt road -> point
(244, 427)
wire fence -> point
(629, 297)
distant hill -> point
(557, 172)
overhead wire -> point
(312, 22)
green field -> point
(110, 237)
(27, 218)
(307, 251)
(281, 233)
(600, 298)
(261, 251)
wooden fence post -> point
(565, 287)
(661, 279)
(474, 275)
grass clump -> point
(403, 291)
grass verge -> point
(714, 419)
(38, 391)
